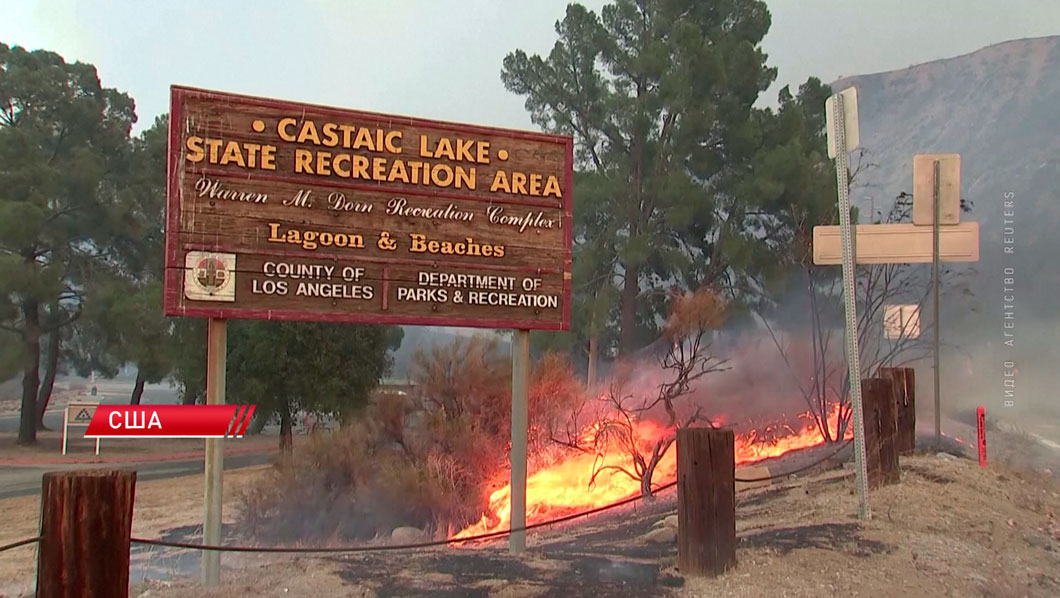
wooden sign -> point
(286, 211)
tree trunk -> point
(286, 437)
(191, 395)
(258, 422)
(649, 468)
(628, 321)
(593, 351)
(27, 429)
(51, 364)
(138, 388)
(645, 485)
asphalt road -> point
(111, 392)
(25, 480)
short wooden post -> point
(706, 501)
(86, 526)
(881, 455)
(904, 380)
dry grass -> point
(948, 529)
(160, 505)
(424, 461)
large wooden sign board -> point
(286, 211)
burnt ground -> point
(949, 528)
(605, 559)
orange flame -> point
(569, 486)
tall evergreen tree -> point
(64, 145)
(659, 96)
(322, 368)
(124, 324)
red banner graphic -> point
(170, 421)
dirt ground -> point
(948, 529)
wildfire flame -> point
(568, 485)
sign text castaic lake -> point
(287, 211)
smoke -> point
(756, 382)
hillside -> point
(998, 107)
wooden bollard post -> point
(706, 501)
(86, 526)
(904, 381)
(881, 454)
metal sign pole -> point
(66, 422)
(838, 127)
(520, 412)
(935, 293)
(216, 345)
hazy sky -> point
(441, 59)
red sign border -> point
(174, 268)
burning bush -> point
(427, 460)
(637, 419)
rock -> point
(662, 535)
(408, 535)
(753, 473)
(670, 521)
(946, 457)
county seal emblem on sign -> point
(210, 276)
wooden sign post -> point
(903, 391)
(881, 431)
(216, 347)
(288, 211)
(86, 529)
(706, 501)
(520, 433)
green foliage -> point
(323, 368)
(681, 176)
(10, 354)
(123, 321)
(64, 148)
(188, 352)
